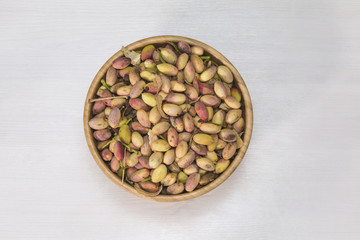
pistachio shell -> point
(175, 188)
(169, 156)
(167, 69)
(182, 61)
(206, 164)
(207, 74)
(203, 139)
(160, 128)
(172, 109)
(192, 182)
(160, 145)
(225, 74)
(222, 165)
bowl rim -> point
(245, 99)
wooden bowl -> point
(245, 102)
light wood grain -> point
(216, 56)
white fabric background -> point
(300, 177)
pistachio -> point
(117, 102)
(98, 122)
(168, 55)
(175, 188)
(159, 173)
(191, 92)
(182, 61)
(239, 125)
(210, 100)
(149, 187)
(139, 175)
(170, 179)
(197, 63)
(206, 164)
(206, 89)
(197, 50)
(154, 115)
(177, 123)
(137, 89)
(160, 128)
(176, 98)
(225, 74)
(172, 136)
(212, 147)
(169, 156)
(167, 69)
(125, 134)
(181, 149)
(160, 145)
(177, 86)
(144, 161)
(222, 165)
(111, 76)
(138, 104)
(150, 64)
(229, 150)
(181, 177)
(166, 85)
(232, 102)
(203, 139)
(187, 159)
(155, 159)
(180, 77)
(189, 72)
(219, 117)
(132, 160)
(172, 109)
(193, 168)
(147, 75)
(136, 126)
(147, 52)
(114, 164)
(220, 90)
(106, 154)
(98, 107)
(102, 135)
(185, 136)
(143, 118)
(201, 110)
(149, 99)
(184, 47)
(207, 74)
(220, 144)
(212, 156)
(137, 140)
(235, 93)
(227, 135)
(174, 167)
(210, 128)
(121, 63)
(233, 115)
(145, 148)
(134, 76)
(192, 182)
(199, 149)
(207, 178)
(123, 72)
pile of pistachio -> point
(167, 119)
